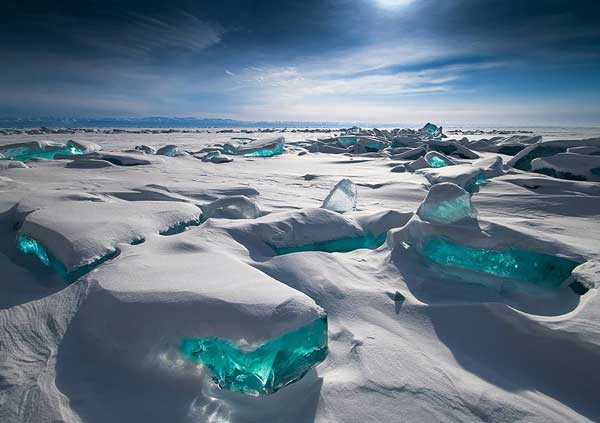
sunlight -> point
(392, 4)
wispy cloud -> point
(295, 82)
(378, 70)
(138, 35)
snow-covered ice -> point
(366, 275)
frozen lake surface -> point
(139, 287)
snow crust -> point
(409, 339)
(78, 233)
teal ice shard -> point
(170, 150)
(537, 268)
(250, 332)
(347, 141)
(264, 369)
(432, 130)
(38, 149)
(262, 147)
(342, 198)
(31, 246)
(436, 159)
(446, 203)
(341, 245)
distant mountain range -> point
(163, 122)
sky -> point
(475, 62)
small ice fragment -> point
(436, 159)
(234, 207)
(216, 157)
(446, 203)
(83, 147)
(146, 149)
(31, 246)
(432, 130)
(342, 198)
(170, 150)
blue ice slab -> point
(265, 369)
(347, 141)
(24, 154)
(31, 246)
(537, 268)
(342, 245)
(267, 152)
(432, 130)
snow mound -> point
(586, 274)
(452, 148)
(89, 164)
(12, 164)
(478, 251)
(123, 159)
(524, 158)
(504, 145)
(85, 146)
(491, 166)
(291, 229)
(569, 166)
(404, 141)
(80, 233)
(420, 163)
(411, 154)
(215, 157)
(465, 176)
(586, 151)
(195, 293)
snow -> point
(548, 148)
(510, 145)
(409, 338)
(569, 166)
(80, 232)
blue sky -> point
(406, 61)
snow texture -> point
(431, 322)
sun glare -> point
(392, 4)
